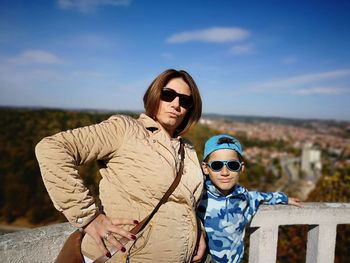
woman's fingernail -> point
(108, 254)
(136, 222)
(123, 249)
(133, 237)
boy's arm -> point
(274, 198)
(270, 198)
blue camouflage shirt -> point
(225, 218)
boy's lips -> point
(225, 181)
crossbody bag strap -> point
(163, 200)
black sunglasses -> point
(233, 165)
(169, 95)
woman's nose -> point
(176, 103)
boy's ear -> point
(205, 168)
(243, 167)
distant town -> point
(304, 150)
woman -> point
(139, 160)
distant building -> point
(205, 121)
(311, 162)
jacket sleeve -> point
(60, 155)
(269, 198)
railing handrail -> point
(43, 244)
(310, 214)
(322, 219)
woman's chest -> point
(144, 163)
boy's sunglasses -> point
(169, 95)
(234, 166)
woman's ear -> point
(205, 168)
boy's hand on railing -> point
(295, 201)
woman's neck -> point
(169, 132)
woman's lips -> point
(173, 115)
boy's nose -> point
(225, 170)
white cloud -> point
(35, 57)
(214, 34)
(319, 90)
(243, 49)
(89, 6)
(303, 80)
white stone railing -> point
(43, 244)
(322, 218)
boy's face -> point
(225, 179)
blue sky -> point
(283, 58)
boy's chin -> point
(225, 189)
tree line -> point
(22, 192)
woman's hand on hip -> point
(103, 228)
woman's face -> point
(170, 114)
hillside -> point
(23, 197)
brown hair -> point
(151, 98)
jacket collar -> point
(159, 134)
(148, 122)
(237, 190)
(151, 125)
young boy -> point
(226, 207)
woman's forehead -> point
(179, 85)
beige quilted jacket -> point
(139, 165)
